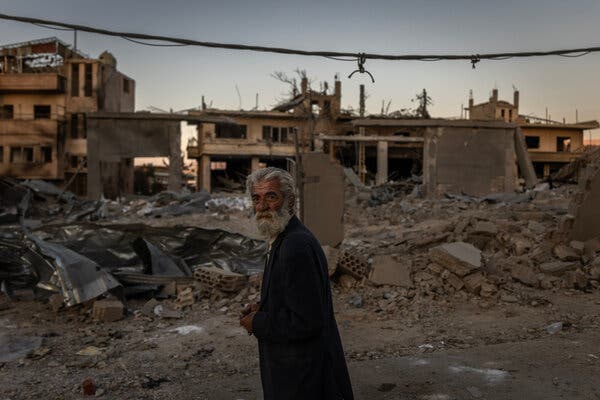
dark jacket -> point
(301, 355)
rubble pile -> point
(497, 248)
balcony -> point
(29, 82)
(240, 147)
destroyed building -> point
(46, 89)
(550, 144)
(247, 140)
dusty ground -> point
(430, 343)
(450, 352)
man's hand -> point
(246, 322)
(250, 308)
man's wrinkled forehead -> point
(265, 186)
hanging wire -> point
(338, 56)
(153, 44)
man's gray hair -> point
(286, 180)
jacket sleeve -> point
(301, 316)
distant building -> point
(551, 144)
(239, 142)
(45, 90)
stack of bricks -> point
(353, 264)
(216, 278)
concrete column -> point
(175, 159)
(204, 173)
(94, 173)
(382, 163)
(255, 164)
(332, 151)
(546, 170)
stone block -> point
(473, 282)
(108, 310)
(485, 227)
(566, 253)
(524, 275)
(557, 267)
(459, 258)
(387, 270)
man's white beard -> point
(273, 226)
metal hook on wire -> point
(361, 59)
(474, 60)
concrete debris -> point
(108, 310)
(459, 258)
(485, 227)
(566, 253)
(388, 270)
(524, 274)
(557, 267)
(474, 281)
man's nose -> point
(261, 205)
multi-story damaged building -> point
(245, 140)
(550, 144)
(46, 88)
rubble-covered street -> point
(455, 298)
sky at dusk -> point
(176, 78)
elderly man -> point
(301, 355)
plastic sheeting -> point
(111, 246)
(80, 279)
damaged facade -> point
(46, 89)
(551, 144)
(247, 140)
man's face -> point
(270, 212)
(267, 197)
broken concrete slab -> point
(566, 253)
(485, 227)
(557, 267)
(459, 258)
(108, 310)
(387, 270)
(524, 275)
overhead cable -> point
(342, 56)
